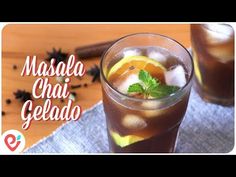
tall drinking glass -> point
(136, 124)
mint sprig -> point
(136, 88)
(150, 86)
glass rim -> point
(205, 26)
(143, 99)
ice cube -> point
(153, 113)
(218, 33)
(157, 55)
(151, 104)
(132, 52)
(123, 85)
(132, 121)
(223, 53)
(152, 109)
(176, 76)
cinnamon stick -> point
(93, 50)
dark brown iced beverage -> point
(213, 53)
(146, 81)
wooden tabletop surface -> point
(18, 41)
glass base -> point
(165, 143)
(211, 99)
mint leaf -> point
(144, 76)
(163, 90)
(150, 86)
(137, 88)
(147, 79)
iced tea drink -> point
(213, 53)
(146, 81)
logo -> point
(12, 141)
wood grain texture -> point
(18, 41)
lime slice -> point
(123, 141)
(196, 68)
(140, 62)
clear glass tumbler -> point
(161, 117)
(213, 54)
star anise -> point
(22, 95)
(94, 72)
(57, 55)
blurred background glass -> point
(213, 53)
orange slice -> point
(139, 62)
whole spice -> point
(57, 55)
(22, 95)
(94, 72)
(93, 50)
(8, 101)
(75, 86)
(14, 67)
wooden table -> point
(22, 40)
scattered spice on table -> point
(94, 72)
(58, 55)
(75, 86)
(93, 50)
(22, 95)
(14, 67)
(8, 101)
